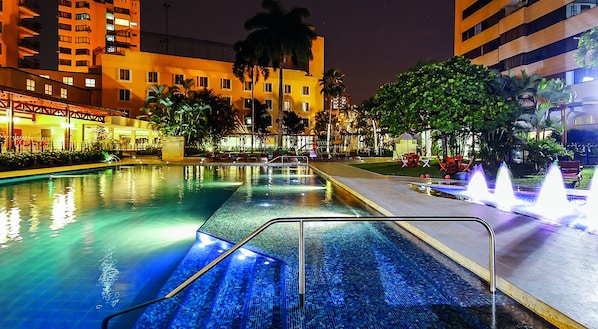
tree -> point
(333, 86)
(454, 95)
(248, 64)
(174, 112)
(222, 118)
(277, 35)
(587, 46)
(293, 124)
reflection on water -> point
(76, 248)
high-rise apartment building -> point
(535, 36)
(538, 36)
(87, 28)
(17, 29)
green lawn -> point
(520, 177)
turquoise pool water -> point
(78, 247)
(75, 248)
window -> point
(81, 4)
(1, 27)
(64, 14)
(247, 85)
(84, 28)
(44, 76)
(227, 99)
(178, 79)
(62, 61)
(82, 40)
(246, 103)
(82, 51)
(305, 122)
(305, 90)
(124, 74)
(62, 26)
(267, 87)
(268, 103)
(83, 17)
(67, 80)
(305, 107)
(287, 89)
(82, 63)
(225, 84)
(48, 89)
(202, 82)
(248, 120)
(287, 105)
(124, 95)
(64, 50)
(90, 82)
(63, 93)
(152, 77)
(65, 38)
(30, 85)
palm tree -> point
(333, 86)
(249, 65)
(277, 35)
(222, 118)
(293, 124)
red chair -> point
(467, 166)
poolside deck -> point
(548, 268)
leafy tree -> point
(222, 118)
(587, 46)
(277, 35)
(454, 95)
(333, 86)
(174, 112)
(293, 125)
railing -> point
(294, 157)
(301, 221)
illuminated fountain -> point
(552, 203)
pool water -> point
(78, 247)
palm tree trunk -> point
(280, 99)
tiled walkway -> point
(551, 269)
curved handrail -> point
(282, 157)
(301, 221)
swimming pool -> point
(78, 247)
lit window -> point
(30, 85)
(124, 74)
(121, 21)
(305, 90)
(44, 76)
(67, 80)
(247, 103)
(287, 105)
(287, 89)
(247, 85)
(305, 107)
(124, 95)
(267, 87)
(268, 103)
(89, 82)
(248, 120)
(48, 89)
(63, 93)
(225, 83)
(152, 77)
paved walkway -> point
(550, 269)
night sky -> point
(370, 41)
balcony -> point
(28, 9)
(28, 48)
(28, 28)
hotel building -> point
(535, 36)
(100, 77)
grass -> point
(521, 175)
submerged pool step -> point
(244, 288)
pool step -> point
(245, 290)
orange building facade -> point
(103, 80)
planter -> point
(173, 148)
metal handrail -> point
(282, 157)
(301, 221)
